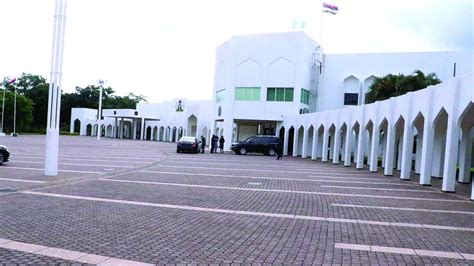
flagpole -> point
(3, 105)
(321, 23)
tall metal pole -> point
(54, 97)
(99, 115)
(14, 116)
(3, 105)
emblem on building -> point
(179, 106)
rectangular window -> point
(247, 94)
(288, 94)
(220, 96)
(280, 94)
(304, 96)
(351, 98)
(271, 94)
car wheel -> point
(271, 152)
(1, 157)
(178, 151)
(242, 151)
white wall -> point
(337, 67)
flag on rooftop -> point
(331, 9)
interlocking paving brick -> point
(441, 254)
(278, 228)
(407, 251)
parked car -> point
(259, 144)
(188, 144)
(4, 154)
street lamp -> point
(4, 83)
(14, 117)
(99, 115)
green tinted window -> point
(288, 94)
(271, 94)
(247, 94)
(304, 96)
(280, 94)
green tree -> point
(24, 112)
(395, 85)
(35, 88)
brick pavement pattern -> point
(152, 173)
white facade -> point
(266, 84)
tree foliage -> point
(24, 112)
(32, 98)
(395, 85)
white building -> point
(283, 84)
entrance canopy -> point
(247, 128)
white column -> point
(228, 131)
(336, 148)
(122, 125)
(348, 147)
(177, 134)
(374, 151)
(451, 154)
(325, 145)
(331, 146)
(426, 154)
(472, 191)
(465, 156)
(55, 86)
(419, 147)
(83, 129)
(360, 148)
(389, 149)
(399, 154)
(295, 142)
(142, 135)
(285, 142)
(134, 126)
(305, 144)
(355, 141)
(71, 125)
(314, 152)
(439, 144)
(407, 151)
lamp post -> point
(4, 83)
(54, 96)
(14, 116)
(99, 114)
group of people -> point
(214, 141)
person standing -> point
(279, 149)
(221, 144)
(212, 143)
(203, 144)
(215, 139)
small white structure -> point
(283, 84)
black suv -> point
(260, 144)
(4, 154)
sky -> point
(166, 49)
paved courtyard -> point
(122, 201)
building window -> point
(280, 94)
(351, 98)
(247, 94)
(220, 96)
(304, 96)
